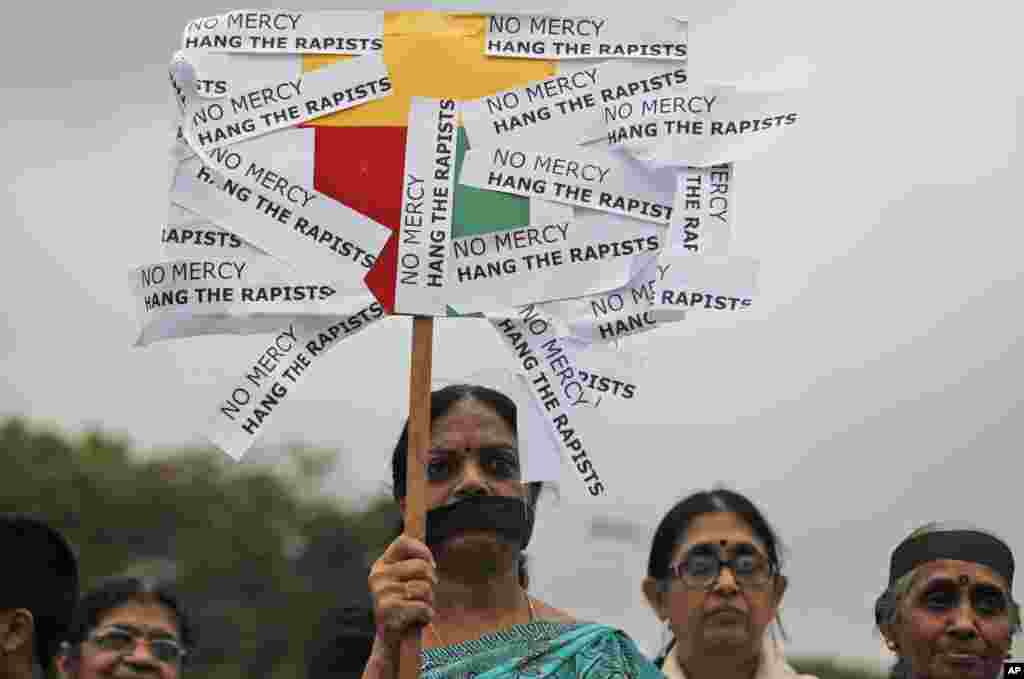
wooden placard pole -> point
(415, 471)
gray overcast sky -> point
(875, 387)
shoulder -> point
(545, 611)
(609, 652)
(793, 674)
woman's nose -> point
(726, 580)
(962, 625)
(473, 480)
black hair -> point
(117, 591)
(675, 523)
(41, 575)
(441, 401)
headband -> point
(960, 545)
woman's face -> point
(954, 622)
(102, 655)
(473, 451)
(724, 617)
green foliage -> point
(259, 557)
(829, 668)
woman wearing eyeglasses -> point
(948, 611)
(127, 627)
(714, 579)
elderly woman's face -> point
(725, 616)
(130, 640)
(954, 622)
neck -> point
(725, 666)
(491, 594)
(469, 604)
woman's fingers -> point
(418, 590)
(404, 548)
(413, 569)
(402, 584)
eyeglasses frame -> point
(676, 572)
(139, 635)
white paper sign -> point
(701, 217)
(278, 31)
(278, 104)
(594, 178)
(613, 315)
(555, 109)
(552, 36)
(237, 295)
(507, 269)
(301, 226)
(217, 74)
(189, 234)
(279, 215)
(276, 373)
(428, 190)
(699, 126)
(552, 373)
(696, 283)
(611, 374)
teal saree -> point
(541, 650)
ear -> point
(401, 505)
(888, 631)
(66, 662)
(17, 630)
(655, 597)
(781, 583)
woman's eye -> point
(438, 469)
(940, 600)
(504, 466)
(990, 603)
(745, 563)
(701, 564)
(115, 639)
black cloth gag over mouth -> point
(510, 517)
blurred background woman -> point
(127, 627)
(948, 611)
(714, 578)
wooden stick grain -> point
(415, 476)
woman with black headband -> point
(464, 589)
(948, 611)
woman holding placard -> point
(714, 578)
(464, 588)
(948, 611)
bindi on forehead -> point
(725, 529)
(958, 573)
(471, 424)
